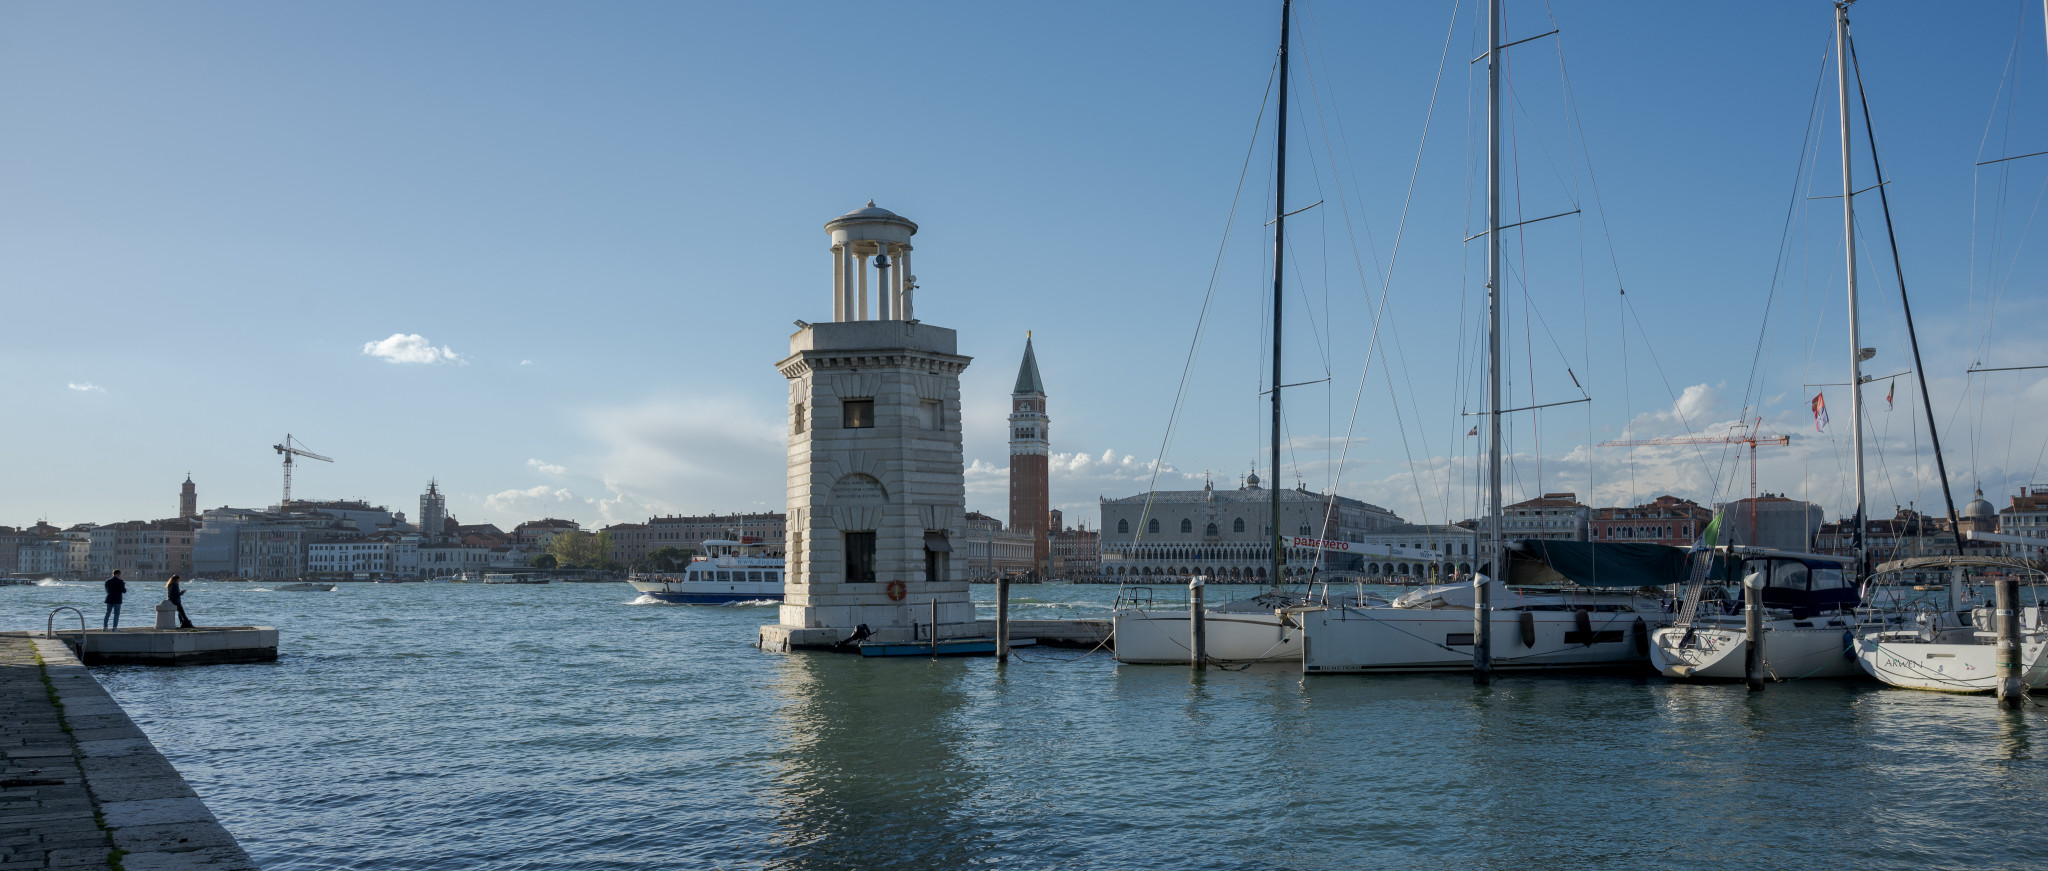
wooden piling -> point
(1753, 629)
(1198, 633)
(2011, 692)
(1002, 619)
(935, 627)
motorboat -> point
(303, 587)
(728, 571)
(1246, 630)
(1810, 609)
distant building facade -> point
(1226, 534)
(1665, 520)
(1772, 521)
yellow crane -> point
(289, 452)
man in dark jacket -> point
(116, 588)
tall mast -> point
(1279, 251)
(1856, 352)
(1482, 605)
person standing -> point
(116, 588)
(177, 597)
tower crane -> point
(1753, 437)
(289, 452)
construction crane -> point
(289, 452)
(1753, 437)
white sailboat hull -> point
(1161, 637)
(1717, 652)
(1392, 640)
(1948, 667)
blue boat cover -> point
(1542, 563)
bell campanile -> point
(877, 490)
(1030, 450)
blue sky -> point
(600, 220)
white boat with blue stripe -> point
(728, 572)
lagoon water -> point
(565, 726)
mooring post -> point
(1753, 629)
(1002, 618)
(2011, 692)
(935, 627)
(1198, 634)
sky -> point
(548, 254)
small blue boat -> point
(946, 647)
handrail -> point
(50, 626)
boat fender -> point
(1642, 633)
(897, 591)
(1528, 622)
(1583, 621)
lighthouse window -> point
(857, 413)
(860, 557)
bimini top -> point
(872, 214)
(1541, 563)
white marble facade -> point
(874, 449)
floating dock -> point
(81, 786)
(201, 645)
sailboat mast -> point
(1279, 261)
(1856, 352)
(1482, 604)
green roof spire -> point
(1027, 374)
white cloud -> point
(526, 362)
(528, 503)
(547, 467)
(673, 456)
(86, 387)
(410, 348)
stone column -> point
(846, 271)
(885, 282)
(838, 283)
(862, 294)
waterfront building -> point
(1226, 534)
(535, 535)
(877, 486)
(1076, 552)
(630, 542)
(989, 550)
(434, 512)
(1771, 520)
(143, 550)
(1457, 544)
(79, 560)
(1030, 451)
(2026, 515)
(42, 557)
(1666, 520)
(446, 559)
(188, 500)
(689, 532)
(216, 544)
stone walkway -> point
(81, 786)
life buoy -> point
(897, 591)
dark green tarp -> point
(1539, 563)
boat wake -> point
(755, 603)
(646, 600)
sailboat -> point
(1252, 629)
(1591, 614)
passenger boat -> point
(727, 572)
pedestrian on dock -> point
(116, 588)
(177, 597)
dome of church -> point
(1978, 508)
(871, 214)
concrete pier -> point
(81, 786)
(202, 645)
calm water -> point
(462, 727)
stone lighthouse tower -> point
(1030, 448)
(877, 483)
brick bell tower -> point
(1030, 448)
(877, 486)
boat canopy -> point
(1541, 563)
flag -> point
(1888, 391)
(1820, 411)
(1709, 536)
(1474, 432)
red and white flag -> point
(1889, 388)
(1474, 432)
(1820, 411)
